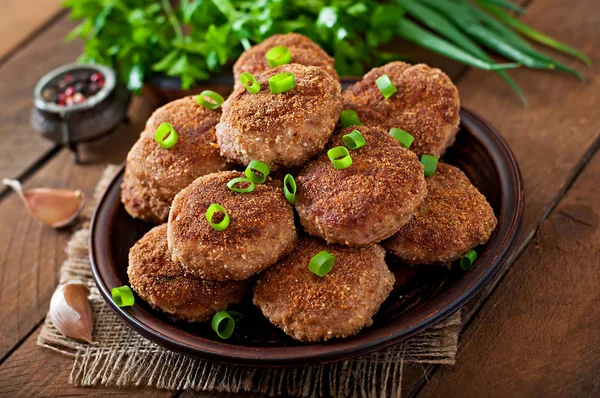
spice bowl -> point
(77, 103)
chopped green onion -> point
(534, 34)
(289, 188)
(223, 324)
(231, 185)
(210, 212)
(414, 33)
(321, 263)
(340, 157)
(430, 164)
(250, 82)
(354, 140)
(257, 171)
(385, 85)
(282, 82)
(166, 136)
(122, 296)
(402, 136)
(468, 259)
(237, 316)
(209, 99)
(279, 55)
(348, 117)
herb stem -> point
(166, 5)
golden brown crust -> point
(140, 203)
(339, 304)
(284, 129)
(167, 171)
(261, 228)
(166, 285)
(366, 202)
(303, 50)
(426, 105)
(455, 218)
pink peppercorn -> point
(97, 77)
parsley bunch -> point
(199, 38)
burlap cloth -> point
(119, 356)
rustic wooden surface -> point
(22, 19)
(36, 372)
(537, 336)
(22, 147)
(534, 335)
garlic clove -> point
(53, 207)
(71, 313)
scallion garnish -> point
(257, 171)
(279, 55)
(122, 296)
(385, 85)
(166, 136)
(289, 188)
(321, 263)
(402, 137)
(210, 212)
(250, 82)
(354, 140)
(223, 323)
(209, 99)
(468, 259)
(348, 117)
(430, 164)
(237, 316)
(340, 157)
(242, 181)
(282, 82)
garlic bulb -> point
(71, 313)
(53, 207)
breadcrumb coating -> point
(366, 202)
(260, 232)
(454, 219)
(284, 129)
(167, 171)
(426, 105)
(340, 304)
(140, 203)
(303, 50)
(167, 286)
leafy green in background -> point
(199, 38)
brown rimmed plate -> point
(423, 296)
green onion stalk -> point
(193, 40)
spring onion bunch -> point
(194, 39)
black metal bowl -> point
(70, 125)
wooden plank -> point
(30, 254)
(22, 146)
(38, 372)
(538, 335)
(555, 136)
(562, 123)
(506, 98)
(20, 19)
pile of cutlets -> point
(221, 235)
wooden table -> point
(535, 331)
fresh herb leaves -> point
(198, 38)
